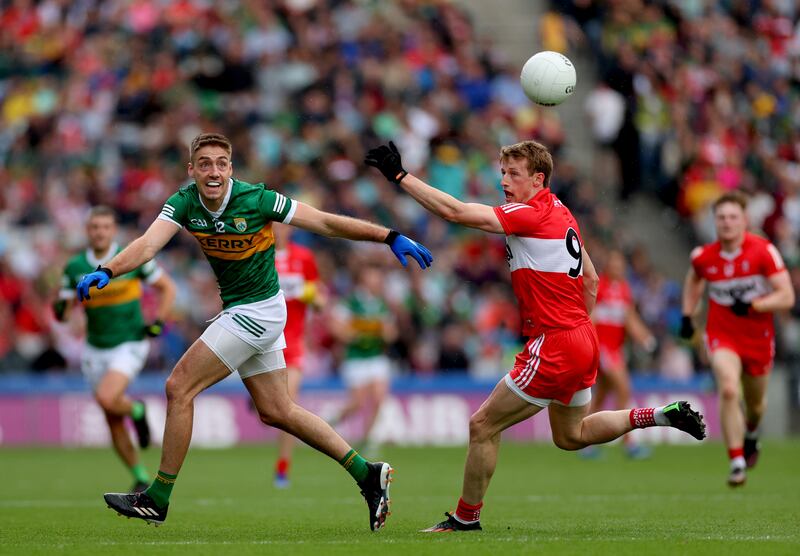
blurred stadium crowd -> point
(99, 100)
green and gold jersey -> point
(367, 316)
(237, 239)
(113, 314)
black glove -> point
(387, 160)
(155, 329)
(687, 327)
(740, 307)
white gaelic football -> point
(548, 78)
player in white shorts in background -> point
(116, 344)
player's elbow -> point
(451, 214)
(789, 299)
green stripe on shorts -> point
(253, 323)
(244, 324)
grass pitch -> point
(541, 500)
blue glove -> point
(402, 246)
(99, 278)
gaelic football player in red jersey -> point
(298, 275)
(747, 282)
(615, 318)
(555, 285)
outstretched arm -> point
(335, 225)
(386, 158)
(143, 248)
(133, 256)
(472, 215)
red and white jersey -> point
(296, 267)
(543, 248)
(743, 273)
(614, 300)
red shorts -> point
(294, 355)
(756, 357)
(556, 365)
(612, 359)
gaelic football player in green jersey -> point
(232, 220)
(365, 325)
(116, 345)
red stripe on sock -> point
(282, 466)
(735, 453)
(642, 417)
(468, 512)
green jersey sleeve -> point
(277, 207)
(175, 209)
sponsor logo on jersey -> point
(235, 247)
(240, 224)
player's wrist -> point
(105, 270)
(390, 237)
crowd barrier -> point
(59, 410)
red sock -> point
(642, 417)
(282, 466)
(467, 512)
(735, 453)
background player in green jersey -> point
(232, 220)
(365, 325)
(116, 345)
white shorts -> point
(249, 338)
(579, 398)
(127, 358)
(358, 372)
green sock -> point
(137, 410)
(140, 473)
(161, 488)
(355, 465)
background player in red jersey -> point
(556, 285)
(614, 316)
(747, 282)
(298, 275)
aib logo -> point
(570, 89)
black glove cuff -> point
(399, 177)
(391, 237)
(107, 271)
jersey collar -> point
(95, 261)
(731, 255)
(541, 196)
(218, 213)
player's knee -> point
(107, 400)
(478, 428)
(729, 391)
(270, 416)
(176, 390)
(567, 442)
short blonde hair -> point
(735, 197)
(205, 139)
(537, 155)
